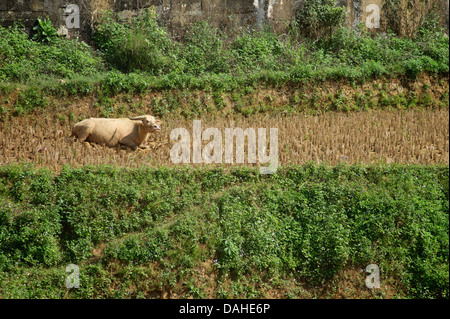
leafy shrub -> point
(139, 248)
(44, 31)
(29, 100)
(260, 50)
(320, 17)
(413, 67)
(204, 50)
(31, 238)
(137, 45)
(28, 61)
(305, 221)
(29, 231)
(380, 54)
(323, 243)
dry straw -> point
(418, 136)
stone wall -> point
(223, 14)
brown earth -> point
(348, 283)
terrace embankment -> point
(378, 121)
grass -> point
(151, 231)
(140, 56)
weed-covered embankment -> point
(139, 55)
(139, 232)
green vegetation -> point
(138, 45)
(24, 61)
(44, 31)
(219, 232)
(140, 55)
(156, 226)
(319, 17)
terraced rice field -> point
(413, 136)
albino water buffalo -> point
(131, 132)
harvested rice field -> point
(390, 136)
